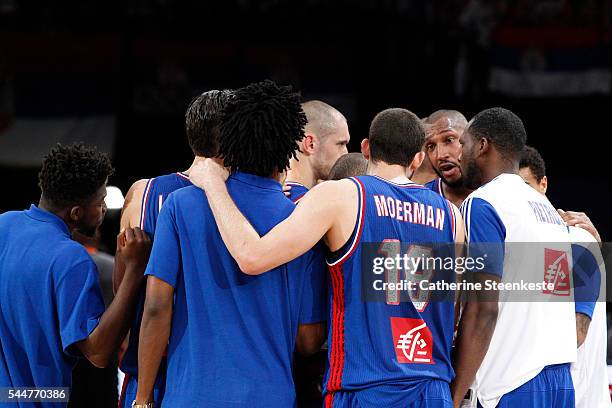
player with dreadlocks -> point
(231, 336)
(51, 307)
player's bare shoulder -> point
(130, 214)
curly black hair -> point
(72, 174)
(260, 128)
(531, 158)
(202, 122)
(503, 128)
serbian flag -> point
(549, 61)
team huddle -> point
(257, 251)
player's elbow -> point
(251, 265)
(156, 307)
(487, 314)
(98, 360)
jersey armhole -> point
(145, 200)
(335, 257)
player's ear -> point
(484, 145)
(416, 163)
(365, 148)
(543, 185)
(309, 144)
(76, 212)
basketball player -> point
(142, 206)
(370, 364)
(443, 150)
(589, 372)
(349, 165)
(521, 358)
(327, 136)
(231, 337)
(51, 307)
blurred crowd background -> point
(120, 74)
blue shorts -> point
(552, 388)
(423, 394)
(130, 384)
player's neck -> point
(196, 160)
(391, 172)
(64, 213)
(498, 167)
(301, 172)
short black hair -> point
(531, 158)
(72, 174)
(260, 128)
(202, 122)
(503, 128)
(396, 136)
(348, 165)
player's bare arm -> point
(130, 218)
(310, 338)
(154, 335)
(133, 247)
(474, 335)
(323, 212)
(582, 327)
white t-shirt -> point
(533, 239)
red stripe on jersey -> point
(186, 177)
(336, 359)
(126, 378)
(329, 401)
(298, 198)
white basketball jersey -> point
(589, 372)
(536, 331)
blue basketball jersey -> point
(388, 351)
(297, 191)
(156, 191)
(436, 185)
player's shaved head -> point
(349, 165)
(453, 115)
(396, 136)
(322, 119)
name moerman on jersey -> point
(412, 212)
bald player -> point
(349, 165)
(370, 362)
(327, 137)
(443, 150)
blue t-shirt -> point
(50, 299)
(232, 335)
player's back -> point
(232, 335)
(39, 263)
(384, 349)
(535, 327)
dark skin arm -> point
(582, 327)
(476, 329)
(154, 335)
(310, 338)
(133, 250)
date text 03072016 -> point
(34, 394)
